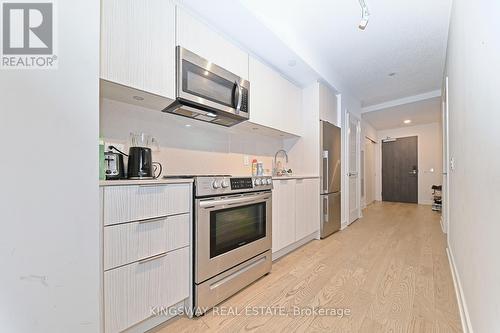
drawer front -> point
(140, 202)
(129, 242)
(132, 291)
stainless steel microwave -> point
(207, 92)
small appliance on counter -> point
(114, 168)
(140, 160)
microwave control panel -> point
(244, 100)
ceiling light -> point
(138, 98)
(365, 15)
(187, 125)
(407, 121)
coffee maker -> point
(140, 160)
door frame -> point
(445, 211)
(372, 168)
(348, 116)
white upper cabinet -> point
(138, 44)
(197, 37)
(275, 102)
(328, 105)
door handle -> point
(325, 213)
(413, 172)
(326, 181)
(351, 174)
(240, 97)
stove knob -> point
(257, 182)
(225, 183)
(216, 184)
(269, 181)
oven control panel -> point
(241, 183)
(216, 185)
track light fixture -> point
(365, 15)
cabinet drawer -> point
(131, 291)
(129, 242)
(141, 202)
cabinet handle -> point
(153, 258)
(155, 219)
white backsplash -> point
(198, 148)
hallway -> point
(390, 269)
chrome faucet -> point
(275, 169)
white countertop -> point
(159, 181)
(294, 177)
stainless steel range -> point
(232, 235)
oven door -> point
(210, 86)
(229, 231)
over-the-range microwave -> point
(207, 92)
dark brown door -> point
(400, 170)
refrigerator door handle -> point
(325, 209)
(325, 171)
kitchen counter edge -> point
(295, 177)
(129, 182)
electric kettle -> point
(140, 160)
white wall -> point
(199, 149)
(473, 68)
(429, 157)
(49, 244)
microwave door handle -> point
(240, 96)
(235, 95)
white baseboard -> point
(280, 253)
(462, 305)
(155, 321)
(443, 226)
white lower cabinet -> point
(128, 242)
(132, 292)
(283, 213)
(307, 207)
(296, 210)
(146, 252)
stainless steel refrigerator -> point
(330, 178)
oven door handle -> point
(248, 199)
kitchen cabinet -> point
(307, 207)
(275, 102)
(296, 211)
(283, 213)
(328, 107)
(138, 45)
(146, 251)
(199, 38)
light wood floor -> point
(389, 268)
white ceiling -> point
(407, 37)
(420, 113)
(321, 36)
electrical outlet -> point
(117, 145)
(246, 160)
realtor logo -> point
(28, 35)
